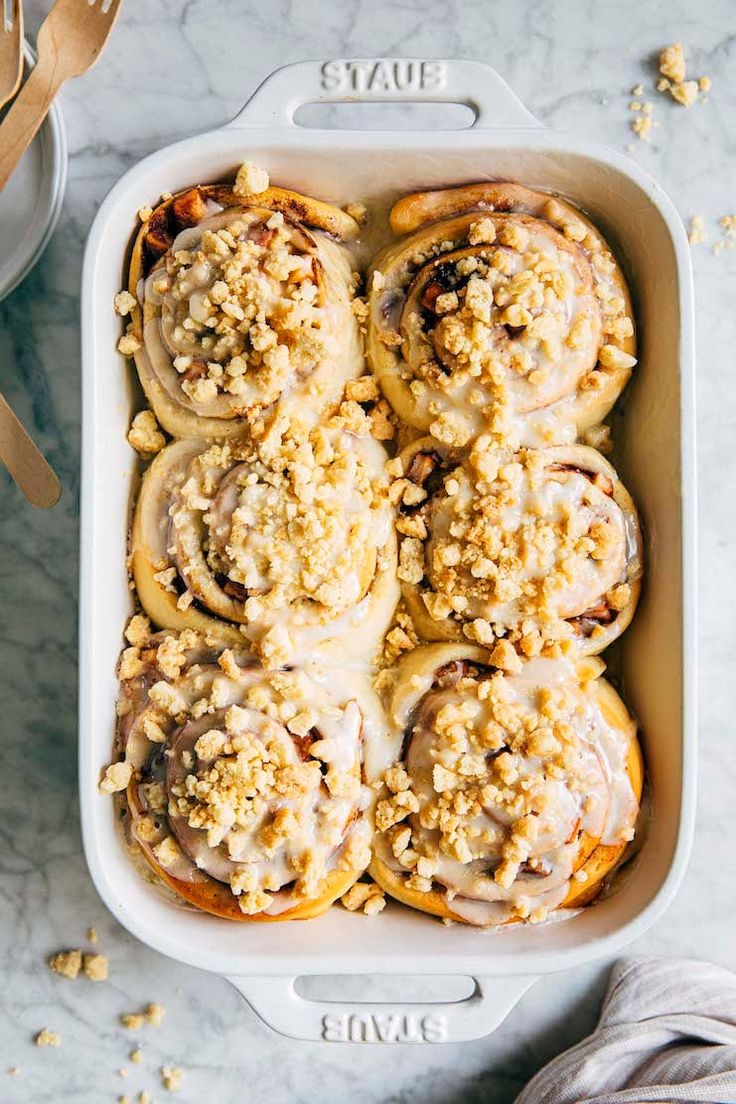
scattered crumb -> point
(642, 126)
(145, 213)
(95, 967)
(366, 896)
(637, 90)
(630, 148)
(136, 1056)
(155, 1013)
(251, 180)
(171, 1077)
(128, 344)
(144, 1097)
(145, 435)
(685, 93)
(672, 62)
(728, 222)
(133, 1021)
(123, 303)
(122, 1072)
(66, 963)
(673, 68)
(91, 935)
(116, 778)
(14, 1071)
(697, 233)
(124, 1100)
(46, 1038)
(718, 247)
(166, 196)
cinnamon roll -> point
(503, 310)
(539, 545)
(515, 789)
(242, 307)
(287, 546)
(241, 787)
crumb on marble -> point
(47, 1038)
(171, 1078)
(66, 964)
(132, 1021)
(92, 935)
(136, 1056)
(697, 233)
(95, 967)
(155, 1013)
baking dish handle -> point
(387, 80)
(278, 1004)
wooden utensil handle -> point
(21, 124)
(25, 463)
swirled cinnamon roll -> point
(241, 787)
(241, 308)
(515, 791)
(287, 546)
(539, 545)
(503, 310)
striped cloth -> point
(667, 1032)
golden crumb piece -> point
(128, 344)
(171, 1077)
(95, 967)
(92, 932)
(251, 180)
(144, 434)
(365, 896)
(66, 963)
(705, 84)
(363, 389)
(686, 92)
(504, 656)
(116, 778)
(145, 212)
(642, 127)
(137, 633)
(132, 1021)
(144, 1097)
(155, 1013)
(697, 233)
(122, 1072)
(124, 1099)
(672, 62)
(123, 303)
(136, 1056)
(638, 90)
(47, 1038)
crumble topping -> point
(116, 777)
(246, 304)
(145, 435)
(515, 538)
(366, 897)
(500, 778)
(250, 180)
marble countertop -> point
(172, 69)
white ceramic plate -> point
(30, 203)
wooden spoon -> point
(69, 42)
(25, 463)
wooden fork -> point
(69, 42)
(11, 49)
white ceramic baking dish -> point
(655, 455)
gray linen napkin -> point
(667, 1032)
